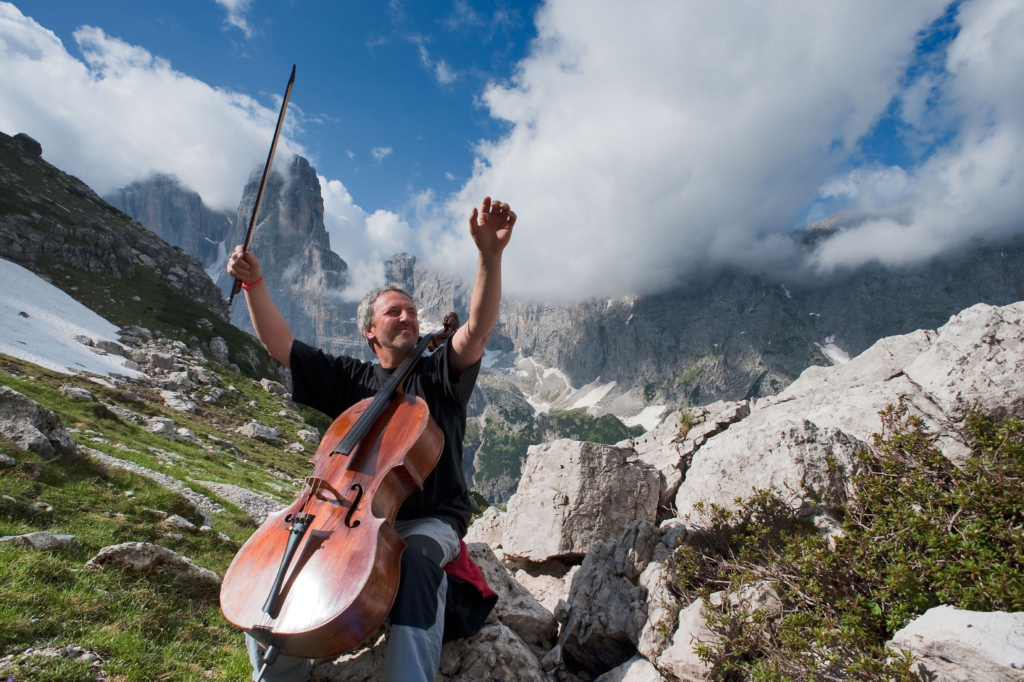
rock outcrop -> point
(607, 606)
(574, 494)
(950, 645)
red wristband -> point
(253, 285)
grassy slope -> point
(150, 630)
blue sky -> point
(639, 143)
(361, 79)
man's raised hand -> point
(491, 227)
(243, 266)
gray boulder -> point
(516, 607)
(260, 432)
(175, 522)
(76, 394)
(176, 401)
(310, 435)
(40, 540)
(573, 494)
(145, 557)
(607, 607)
(29, 426)
(273, 387)
(950, 645)
(219, 350)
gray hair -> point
(364, 315)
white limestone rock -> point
(273, 387)
(659, 579)
(488, 529)
(679, 661)
(30, 427)
(162, 426)
(573, 494)
(636, 669)
(792, 455)
(175, 522)
(668, 447)
(145, 557)
(176, 401)
(260, 432)
(516, 607)
(76, 394)
(951, 645)
(607, 608)
(40, 540)
(310, 434)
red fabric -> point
(465, 569)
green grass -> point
(503, 449)
(920, 532)
(146, 629)
(579, 425)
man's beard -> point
(401, 344)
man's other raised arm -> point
(491, 229)
(271, 329)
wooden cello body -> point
(340, 572)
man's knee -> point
(417, 600)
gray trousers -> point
(417, 618)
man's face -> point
(395, 324)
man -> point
(433, 520)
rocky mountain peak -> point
(177, 215)
(306, 278)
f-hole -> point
(355, 503)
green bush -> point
(918, 532)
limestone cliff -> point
(178, 215)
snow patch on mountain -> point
(648, 418)
(40, 323)
(835, 354)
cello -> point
(319, 577)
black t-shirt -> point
(333, 384)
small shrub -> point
(918, 532)
(686, 422)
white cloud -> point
(351, 154)
(237, 9)
(380, 153)
(449, 176)
(974, 186)
(124, 113)
(440, 68)
(648, 140)
(362, 239)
